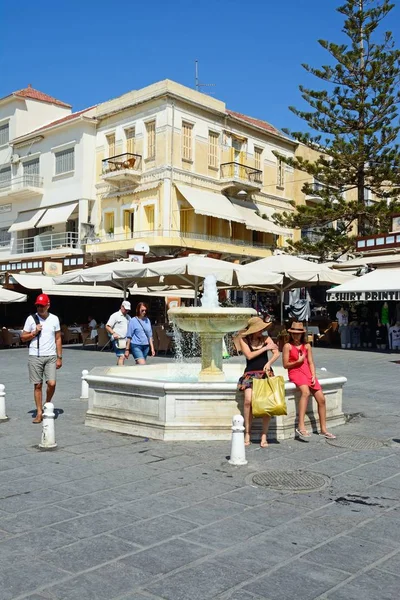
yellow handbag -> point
(269, 397)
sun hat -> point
(42, 300)
(126, 304)
(297, 327)
(254, 325)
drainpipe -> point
(172, 162)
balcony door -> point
(129, 223)
(238, 157)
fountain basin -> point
(148, 401)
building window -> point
(5, 237)
(65, 161)
(109, 223)
(187, 130)
(257, 158)
(4, 134)
(280, 174)
(129, 222)
(213, 149)
(31, 167)
(5, 177)
(151, 139)
(130, 140)
(111, 144)
(149, 213)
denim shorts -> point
(140, 351)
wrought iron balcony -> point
(22, 187)
(235, 174)
(46, 241)
(122, 168)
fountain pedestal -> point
(211, 357)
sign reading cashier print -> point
(362, 296)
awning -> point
(27, 219)
(251, 219)
(274, 228)
(210, 204)
(47, 285)
(57, 214)
(381, 284)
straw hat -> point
(254, 325)
(297, 327)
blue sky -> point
(90, 51)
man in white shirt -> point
(117, 327)
(42, 332)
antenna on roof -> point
(199, 85)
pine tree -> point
(357, 124)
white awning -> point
(252, 220)
(210, 204)
(57, 214)
(27, 219)
(274, 228)
(47, 285)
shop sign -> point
(5, 208)
(362, 296)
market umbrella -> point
(190, 271)
(297, 272)
(381, 284)
(8, 296)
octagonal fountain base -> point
(148, 401)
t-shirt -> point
(138, 333)
(47, 339)
(93, 332)
(343, 318)
(119, 323)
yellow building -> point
(177, 171)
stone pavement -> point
(111, 517)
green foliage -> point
(357, 124)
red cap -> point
(42, 300)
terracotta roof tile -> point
(30, 92)
(256, 122)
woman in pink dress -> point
(298, 360)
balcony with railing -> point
(236, 175)
(123, 168)
(22, 187)
(383, 242)
(46, 241)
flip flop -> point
(303, 433)
(328, 436)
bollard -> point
(48, 432)
(323, 369)
(85, 385)
(3, 416)
(238, 453)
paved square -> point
(113, 517)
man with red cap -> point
(43, 334)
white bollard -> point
(3, 416)
(48, 432)
(323, 369)
(85, 385)
(238, 453)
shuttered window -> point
(4, 134)
(213, 149)
(257, 158)
(31, 167)
(130, 140)
(151, 139)
(187, 129)
(111, 144)
(65, 161)
(280, 174)
(109, 222)
(149, 211)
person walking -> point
(298, 360)
(117, 327)
(140, 336)
(43, 333)
(254, 344)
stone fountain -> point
(191, 401)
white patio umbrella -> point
(190, 271)
(297, 272)
(9, 296)
(381, 284)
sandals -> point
(328, 436)
(303, 433)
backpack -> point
(37, 321)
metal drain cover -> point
(291, 480)
(356, 442)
